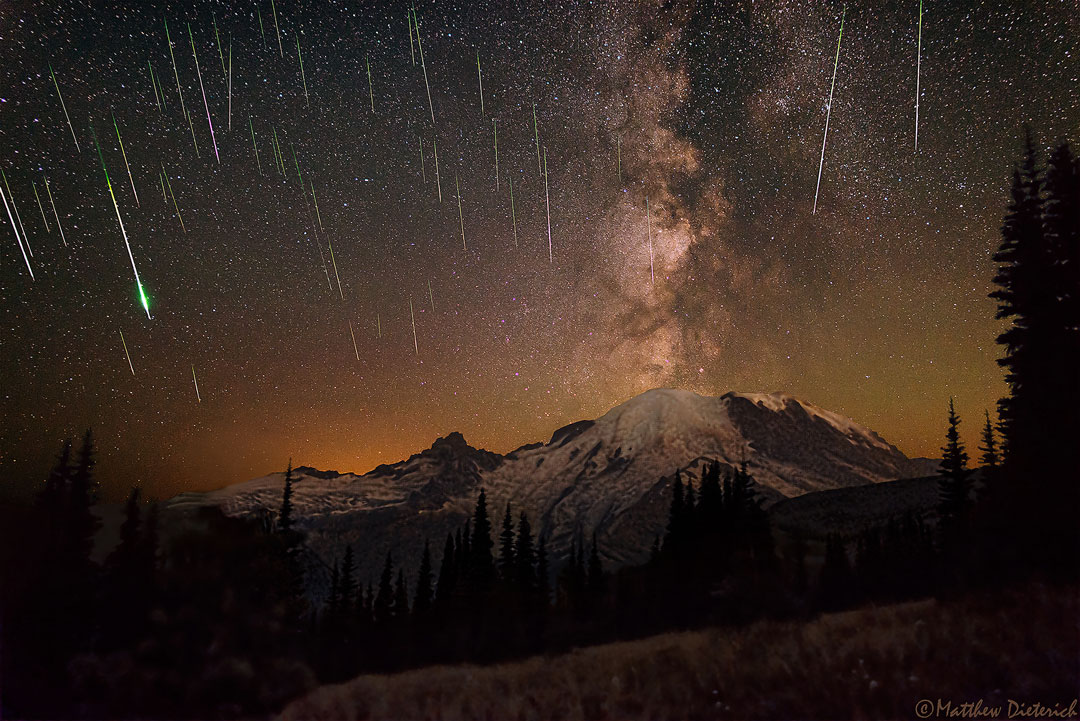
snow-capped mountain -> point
(607, 476)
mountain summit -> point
(609, 476)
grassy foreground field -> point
(874, 662)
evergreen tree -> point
(346, 583)
(285, 514)
(954, 485)
(423, 598)
(710, 506)
(400, 608)
(506, 546)
(334, 602)
(836, 585)
(989, 448)
(524, 557)
(447, 572)
(596, 570)
(673, 540)
(82, 524)
(482, 564)
(543, 573)
(384, 599)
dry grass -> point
(868, 663)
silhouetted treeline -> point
(210, 616)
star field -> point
(874, 307)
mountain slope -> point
(609, 476)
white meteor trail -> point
(495, 130)
(56, 215)
(423, 170)
(536, 134)
(438, 180)
(371, 93)
(431, 296)
(126, 354)
(355, 349)
(513, 212)
(57, 86)
(461, 218)
(412, 317)
(197, 396)
(334, 262)
(480, 78)
(16, 230)
(918, 71)
(206, 105)
(828, 108)
(547, 204)
(277, 29)
(22, 228)
(423, 66)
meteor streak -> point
(42, 209)
(183, 110)
(175, 206)
(461, 218)
(153, 86)
(254, 145)
(412, 47)
(126, 354)
(57, 86)
(191, 125)
(302, 77)
(230, 83)
(438, 181)
(378, 327)
(513, 213)
(18, 217)
(423, 66)
(316, 200)
(480, 78)
(423, 170)
(221, 55)
(262, 31)
(918, 70)
(336, 276)
(618, 157)
(55, 214)
(277, 29)
(536, 134)
(495, 130)
(355, 349)
(206, 105)
(547, 203)
(138, 282)
(412, 317)
(828, 111)
(16, 230)
(197, 396)
(371, 93)
(161, 179)
(431, 296)
(124, 153)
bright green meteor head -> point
(144, 300)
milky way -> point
(874, 307)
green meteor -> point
(153, 86)
(124, 153)
(828, 108)
(108, 182)
(40, 207)
(57, 86)
(302, 77)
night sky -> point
(874, 307)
